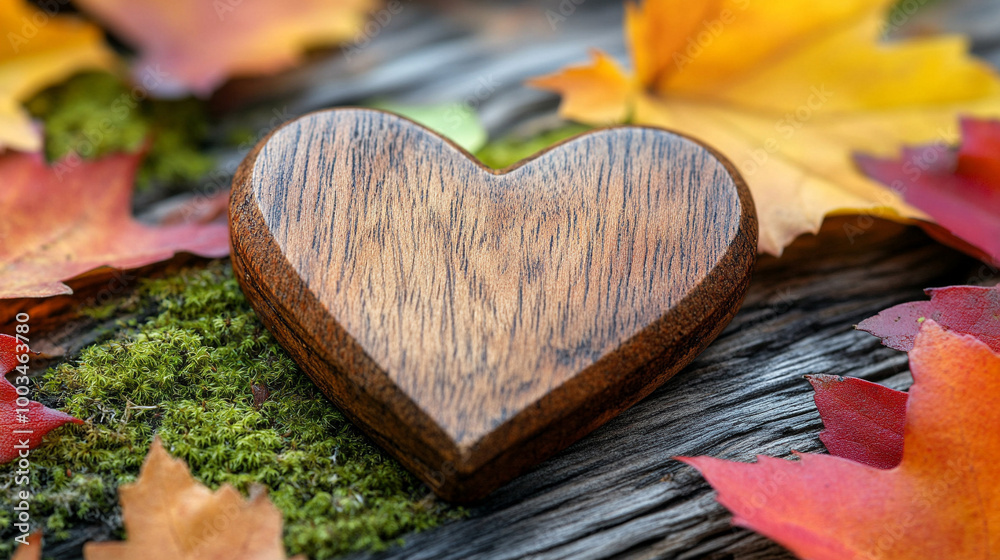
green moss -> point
(95, 113)
(192, 361)
(504, 152)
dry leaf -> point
(941, 501)
(74, 217)
(959, 189)
(168, 515)
(23, 424)
(787, 94)
(194, 45)
(39, 50)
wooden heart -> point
(472, 321)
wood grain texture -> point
(474, 322)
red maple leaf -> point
(68, 219)
(941, 501)
(23, 423)
(863, 421)
(960, 188)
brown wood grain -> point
(472, 321)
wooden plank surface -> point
(617, 493)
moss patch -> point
(95, 113)
(195, 358)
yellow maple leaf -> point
(787, 91)
(39, 49)
(170, 516)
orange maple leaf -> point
(787, 92)
(942, 501)
(194, 45)
(64, 220)
(168, 515)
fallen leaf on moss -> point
(863, 421)
(941, 501)
(959, 189)
(40, 50)
(972, 310)
(31, 550)
(168, 515)
(787, 94)
(194, 45)
(75, 216)
(22, 427)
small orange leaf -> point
(941, 501)
(194, 45)
(64, 220)
(168, 515)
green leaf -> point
(456, 121)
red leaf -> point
(959, 189)
(941, 501)
(71, 218)
(38, 419)
(863, 420)
(966, 309)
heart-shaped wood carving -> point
(474, 322)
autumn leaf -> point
(959, 189)
(31, 549)
(195, 45)
(972, 310)
(941, 501)
(65, 220)
(168, 515)
(788, 95)
(22, 425)
(863, 421)
(40, 49)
